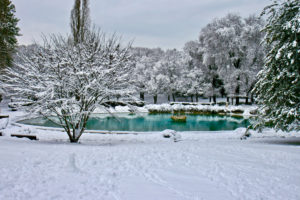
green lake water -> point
(153, 122)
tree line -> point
(224, 61)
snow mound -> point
(4, 123)
(168, 133)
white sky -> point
(150, 23)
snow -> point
(149, 167)
(202, 165)
(168, 133)
(166, 107)
(199, 107)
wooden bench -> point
(31, 137)
(4, 116)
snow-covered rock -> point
(168, 133)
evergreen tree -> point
(8, 32)
(278, 87)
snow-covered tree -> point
(172, 65)
(143, 66)
(68, 80)
(255, 51)
(147, 70)
(278, 86)
(192, 79)
(244, 55)
(229, 54)
(157, 80)
(158, 83)
(8, 32)
(203, 58)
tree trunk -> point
(227, 99)
(192, 98)
(237, 100)
(169, 98)
(222, 91)
(247, 101)
(197, 97)
(215, 99)
(74, 140)
(173, 96)
(252, 99)
(155, 99)
(77, 130)
(231, 100)
(237, 92)
(142, 96)
(72, 137)
(210, 99)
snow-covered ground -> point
(202, 165)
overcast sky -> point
(150, 23)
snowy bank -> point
(243, 110)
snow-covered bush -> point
(68, 80)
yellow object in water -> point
(179, 118)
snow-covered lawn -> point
(148, 166)
(203, 165)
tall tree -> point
(278, 88)
(146, 71)
(194, 77)
(68, 77)
(141, 69)
(156, 80)
(230, 55)
(80, 20)
(172, 65)
(8, 32)
(68, 81)
(255, 51)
